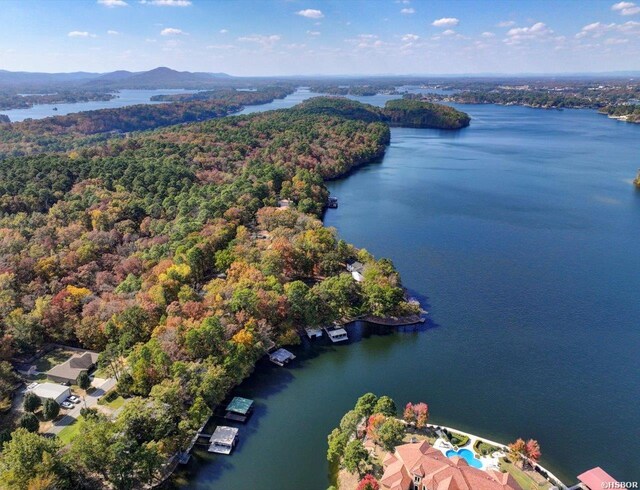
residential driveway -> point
(102, 386)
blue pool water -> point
(467, 455)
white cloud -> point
(112, 33)
(221, 46)
(313, 33)
(446, 22)
(172, 31)
(449, 32)
(167, 3)
(410, 37)
(615, 41)
(506, 23)
(113, 3)
(223, 31)
(311, 13)
(408, 11)
(80, 34)
(626, 8)
(487, 35)
(598, 29)
(538, 31)
(266, 41)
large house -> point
(418, 466)
(69, 370)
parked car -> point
(67, 405)
(73, 399)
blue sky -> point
(289, 37)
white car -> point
(67, 405)
(73, 399)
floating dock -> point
(332, 202)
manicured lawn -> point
(524, 480)
(115, 404)
(102, 373)
(69, 433)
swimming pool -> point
(467, 455)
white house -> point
(356, 269)
(54, 391)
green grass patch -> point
(108, 397)
(115, 404)
(70, 432)
(102, 373)
(522, 479)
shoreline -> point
(504, 447)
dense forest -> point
(169, 253)
(62, 133)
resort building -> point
(53, 391)
(418, 466)
(68, 371)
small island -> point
(636, 181)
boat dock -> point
(313, 332)
(223, 440)
(336, 333)
(332, 202)
(281, 357)
(239, 409)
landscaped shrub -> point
(458, 439)
(484, 448)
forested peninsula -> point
(399, 112)
(25, 101)
(167, 251)
(63, 133)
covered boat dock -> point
(223, 440)
(239, 409)
(281, 357)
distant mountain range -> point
(166, 78)
(161, 77)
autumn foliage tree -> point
(369, 482)
(521, 452)
(417, 414)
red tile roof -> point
(437, 472)
(595, 477)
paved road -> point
(89, 401)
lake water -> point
(125, 98)
(520, 236)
